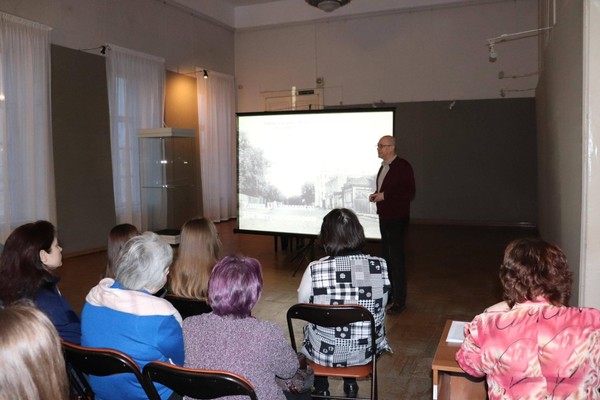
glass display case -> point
(168, 180)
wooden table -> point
(449, 380)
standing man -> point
(395, 191)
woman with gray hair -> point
(124, 314)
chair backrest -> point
(336, 315)
(330, 316)
(188, 307)
(197, 383)
(102, 362)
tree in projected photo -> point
(253, 169)
(252, 172)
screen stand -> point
(306, 252)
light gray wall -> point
(85, 204)
(569, 186)
(428, 54)
(590, 253)
(559, 116)
(475, 163)
(426, 58)
(148, 26)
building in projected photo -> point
(336, 191)
(356, 195)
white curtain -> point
(217, 136)
(26, 161)
(136, 95)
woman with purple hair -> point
(230, 339)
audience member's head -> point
(341, 233)
(235, 286)
(117, 237)
(143, 263)
(30, 254)
(198, 253)
(533, 268)
(33, 366)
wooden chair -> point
(196, 383)
(100, 362)
(332, 316)
(188, 307)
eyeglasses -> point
(379, 146)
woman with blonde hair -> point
(197, 255)
(33, 366)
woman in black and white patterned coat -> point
(345, 276)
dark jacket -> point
(398, 189)
(66, 321)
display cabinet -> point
(168, 180)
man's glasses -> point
(379, 146)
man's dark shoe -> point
(395, 309)
(321, 392)
(351, 389)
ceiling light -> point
(328, 5)
(205, 74)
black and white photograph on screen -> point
(294, 167)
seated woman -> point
(33, 366)
(533, 345)
(345, 276)
(197, 255)
(123, 314)
(117, 237)
(31, 254)
(230, 339)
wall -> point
(149, 26)
(590, 257)
(82, 158)
(559, 115)
(181, 111)
(426, 57)
(474, 161)
(424, 54)
(85, 203)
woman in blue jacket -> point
(30, 256)
(124, 314)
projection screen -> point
(296, 166)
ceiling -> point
(238, 3)
(240, 14)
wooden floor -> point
(452, 274)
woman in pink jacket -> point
(533, 345)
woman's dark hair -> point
(341, 233)
(21, 268)
(533, 268)
(117, 237)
